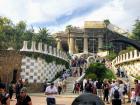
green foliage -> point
(91, 76)
(138, 77)
(136, 30)
(110, 75)
(111, 55)
(99, 71)
(97, 68)
(13, 35)
(107, 22)
(128, 49)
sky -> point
(55, 15)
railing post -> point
(45, 48)
(40, 47)
(25, 44)
(33, 46)
(50, 50)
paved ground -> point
(40, 99)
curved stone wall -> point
(129, 61)
(37, 70)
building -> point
(93, 38)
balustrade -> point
(45, 50)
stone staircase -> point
(70, 82)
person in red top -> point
(137, 92)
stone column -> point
(33, 46)
(24, 48)
(135, 54)
(100, 42)
(50, 50)
(45, 48)
(54, 51)
(40, 47)
(85, 44)
(131, 55)
(71, 45)
(58, 44)
(126, 56)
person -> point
(11, 90)
(128, 90)
(59, 86)
(116, 95)
(50, 92)
(106, 88)
(18, 87)
(133, 98)
(87, 99)
(88, 87)
(4, 96)
(99, 88)
(137, 91)
(24, 98)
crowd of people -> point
(114, 92)
(22, 96)
(121, 72)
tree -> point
(136, 30)
(98, 69)
(13, 35)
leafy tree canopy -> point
(136, 30)
(13, 35)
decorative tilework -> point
(38, 70)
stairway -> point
(70, 82)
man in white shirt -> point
(51, 91)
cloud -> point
(56, 15)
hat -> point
(2, 85)
(89, 98)
(24, 89)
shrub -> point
(99, 71)
(91, 76)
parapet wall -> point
(129, 61)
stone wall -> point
(10, 61)
(37, 70)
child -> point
(133, 98)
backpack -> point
(125, 89)
(116, 93)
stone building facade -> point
(93, 38)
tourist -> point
(24, 98)
(59, 86)
(133, 97)
(116, 95)
(137, 92)
(18, 87)
(64, 86)
(118, 72)
(4, 96)
(50, 92)
(99, 89)
(128, 90)
(11, 89)
(106, 88)
(87, 99)
(122, 89)
(81, 71)
(84, 82)
(88, 87)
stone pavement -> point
(40, 99)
